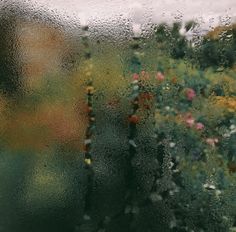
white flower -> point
(209, 186)
(232, 127)
(172, 144)
(226, 135)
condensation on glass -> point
(117, 116)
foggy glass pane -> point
(117, 116)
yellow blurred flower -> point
(228, 103)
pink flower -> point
(135, 76)
(212, 141)
(190, 94)
(190, 122)
(199, 126)
(160, 76)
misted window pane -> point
(117, 116)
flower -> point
(209, 186)
(226, 135)
(190, 94)
(88, 161)
(212, 141)
(172, 144)
(189, 120)
(135, 76)
(232, 127)
(134, 119)
(199, 126)
(160, 76)
(167, 108)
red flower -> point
(134, 119)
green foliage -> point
(211, 52)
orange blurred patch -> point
(50, 124)
(64, 124)
(225, 102)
